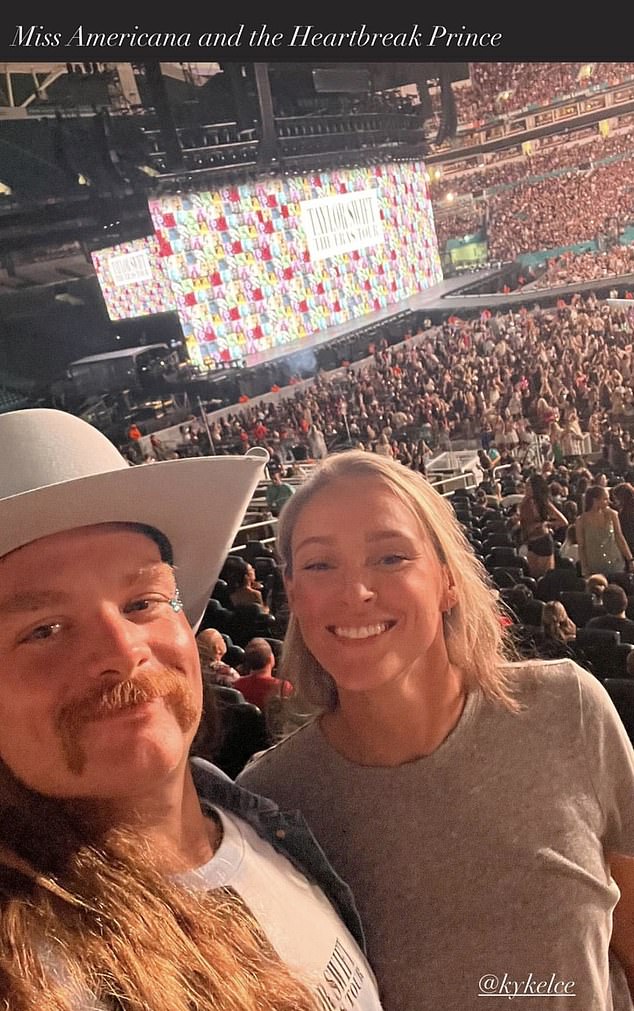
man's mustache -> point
(110, 698)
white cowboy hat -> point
(57, 472)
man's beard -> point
(107, 699)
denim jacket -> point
(286, 831)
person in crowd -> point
(423, 740)
(602, 546)
(383, 446)
(133, 896)
(160, 451)
(484, 462)
(211, 650)
(539, 517)
(569, 547)
(597, 585)
(257, 681)
(623, 497)
(581, 487)
(245, 589)
(559, 629)
(278, 493)
(569, 510)
(615, 604)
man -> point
(211, 649)
(258, 684)
(614, 601)
(278, 493)
(128, 876)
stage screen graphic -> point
(262, 264)
(132, 279)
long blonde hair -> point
(474, 636)
(84, 918)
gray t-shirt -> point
(481, 868)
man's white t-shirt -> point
(294, 914)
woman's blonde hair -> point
(474, 635)
(87, 917)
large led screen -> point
(263, 264)
(132, 279)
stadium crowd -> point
(501, 380)
(560, 211)
(500, 88)
(561, 156)
(547, 213)
(574, 268)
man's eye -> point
(43, 632)
(146, 604)
(317, 566)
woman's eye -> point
(317, 566)
(392, 559)
(43, 632)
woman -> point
(623, 496)
(602, 546)
(538, 518)
(473, 805)
(246, 590)
(572, 436)
(559, 629)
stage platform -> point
(431, 298)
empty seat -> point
(227, 695)
(619, 669)
(249, 622)
(221, 592)
(256, 549)
(217, 616)
(624, 580)
(530, 612)
(264, 567)
(550, 586)
(580, 606)
(598, 638)
(505, 557)
(494, 525)
(597, 648)
(501, 540)
(241, 733)
(506, 576)
(234, 656)
(561, 562)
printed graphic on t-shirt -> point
(343, 981)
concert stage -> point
(430, 299)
